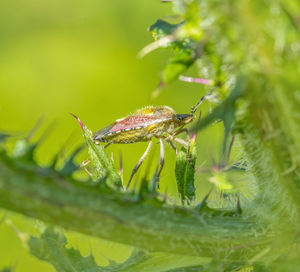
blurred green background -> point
(80, 56)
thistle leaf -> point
(177, 65)
(225, 111)
(185, 171)
(69, 166)
(102, 165)
(162, 28)
(24, 150)
(184, 49)
(51, 247)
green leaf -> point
(163, 262)
(183, 54)
(69, 166)
(162, 28)
(191, 28)
(24, 150)
(184, 41)
(52, 247)
(102, 165)
(225, 111)
(177, 65)
(185, 171)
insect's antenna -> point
(201, 100)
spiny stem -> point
(102, 214)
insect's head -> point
(185, 118)
(98, 138)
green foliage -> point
(24, 150)
(185, 171)
(162, 28)
(225, 112)
(177, 65)
(107, 212)
(183, 47)
(252, 60)
(102, 166)
(3, 136)
(7, 269)
(52, 246)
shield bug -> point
(161, 122)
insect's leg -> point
(172, 145)
(181, 141)
(181, 130)
(137, 166)
(107, 145)
(88, 172)
(162, 161)
(84, 164)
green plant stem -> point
(270, 127)
(46, 196)
(268, 147)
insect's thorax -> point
(141, 126)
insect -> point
(160, 122)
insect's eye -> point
(98, 138)
(186, 118)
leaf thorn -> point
(79, 121)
